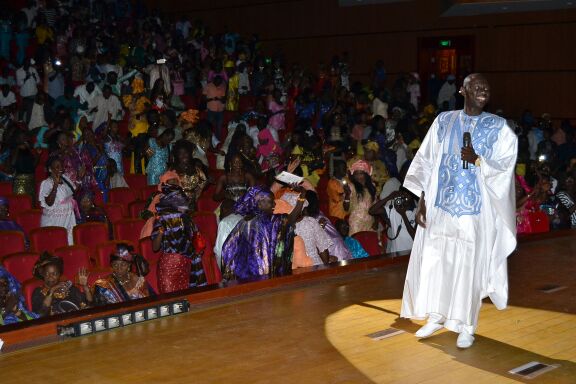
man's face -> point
(476, 93)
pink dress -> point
(277, 119)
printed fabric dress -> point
(179, 266)
(360, 220)
(158, 162)
(110, 291)
(261, 244)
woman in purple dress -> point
(261, 244)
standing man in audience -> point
(466, 217)
(88, 95)
(27, 79)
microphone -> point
(467, 142)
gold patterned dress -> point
(360, 220)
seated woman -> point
(88, 212)
(337, 248)
(123, 284)
(351, 243)
(56, 198)
(6, 223)
(56, 296)
(316, 241)
(176, 236)
(235, 182)
(261, 243)
(12, 305)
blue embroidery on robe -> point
(458, 190)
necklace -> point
(123, 281)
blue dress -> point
(113, 149)
(158, 163)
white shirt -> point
(107, 106)
(85, 97)
(157, 71)
(37, 118)
(28, 86)
(8, 100)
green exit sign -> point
(445, 43)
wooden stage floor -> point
(316, 333)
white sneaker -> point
(428, 329)
(465, 340)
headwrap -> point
(4, 201)
(248, 204)
(361, 165)
(166, 177)
(137, 86)
(124, 252)
(190, 116)
(173, 199)
(44, 260)
(372, 146)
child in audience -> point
(353, 245)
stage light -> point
(123, 319)
(139, 316)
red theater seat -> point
(104, 250)
(207, 225)
(90, 234)
(5, 188)
(148, 191)
(74, 258)
(369, 241)
(147, 252)
(28, 288)
(114, 212)
(152, 276)
(19, 203)
(11, 242)
(122, 196)
(128, 229)
(136, 207)
(20, 264)
(136, 181)
(48, 239)
(29, 219)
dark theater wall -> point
(528, 57)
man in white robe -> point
(88, 95)
(466, 221)
(108, 106)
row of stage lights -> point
(113, 321)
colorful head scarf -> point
(124, 252)
(173, 199)
(372, 146)
(248, 204)
(361, 165)
(44, 260)
(166, 177)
